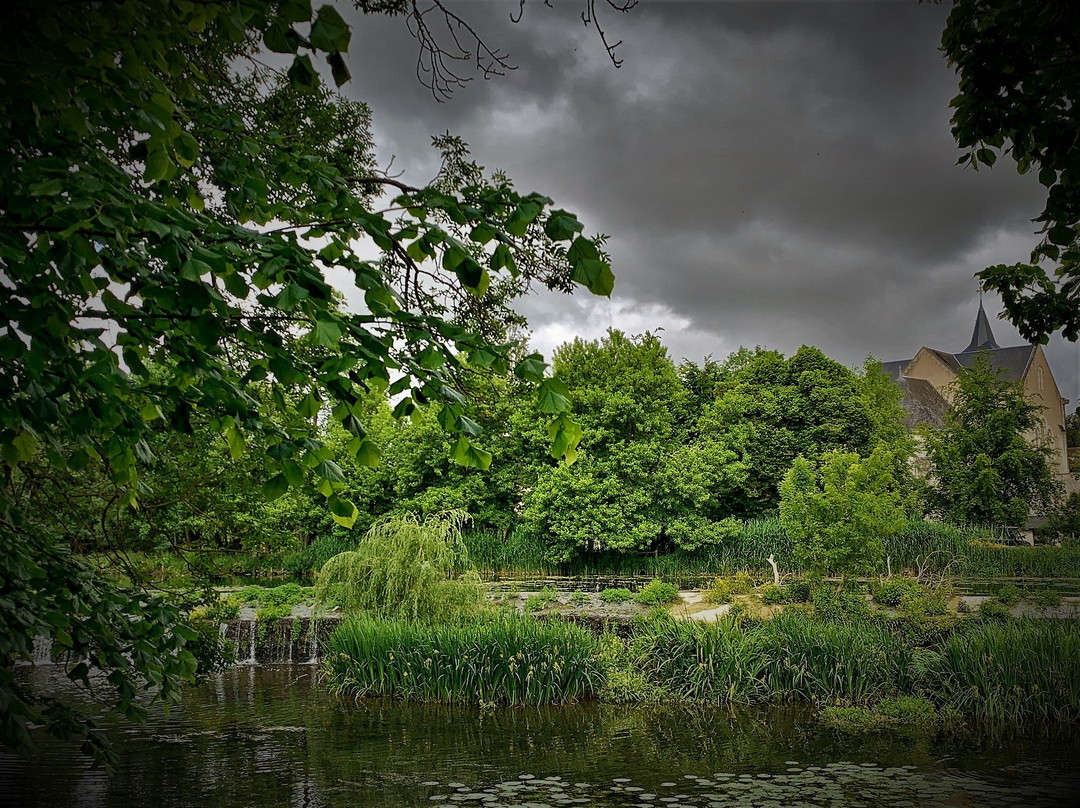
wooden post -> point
(775, 569)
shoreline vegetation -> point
(864, 673)
(896, 653)
(934, 547)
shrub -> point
(1046, 598)
(657, 593)
(616, 595)
(994, 610)
(797, 591)
(719, 591)
(831, 605)
(272, 612)
(534, 603)
(1008, 595)
(891, 591)
(579, 598)
(771, 594)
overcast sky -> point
(768, 173)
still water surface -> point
(267, 736)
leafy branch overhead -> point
(177, 218)
(1019, 69)
(145, 214)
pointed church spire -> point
(982, 338)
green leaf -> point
(524, 215)
(338, 69)
(368, 454)
(329, 32)
(186, 149)
(329, 470)
(342, 510)
(553, 396)
(158, 164)
(326, 333)
(561, 226)
(277, 40)
(464, 453)
(275, 487)
(531, 368)
(468, 426)
(235, 439)
(303, 76)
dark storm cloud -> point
(769, 173)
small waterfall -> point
(42, 650)
(288, 641)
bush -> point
(579, 598)
(797, 591)
(771, 594)
(994, 610)
(892, 591)
(719, 591)
(1046, 598)
(1008, 595)
(616, 595)
(534, 603)
(657, 593)
(834, 606)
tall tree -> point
(987, 466)
(1019, 69)
(163, 197)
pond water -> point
(268, 736)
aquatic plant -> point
(1011, 671)
(506, 659)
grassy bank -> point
(999, 671)
(975, 552)
(508, 659)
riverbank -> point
(999, 670)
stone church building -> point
(927, 382)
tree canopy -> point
(173, 209)
(988, 465)
(1019, 69)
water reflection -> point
(267, 737)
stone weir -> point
(286, 641)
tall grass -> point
(972, 551)
(509, 659)
(789, 658)
(1012, 671)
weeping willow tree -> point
(405, 568)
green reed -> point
(505, 659)
(1011, 671)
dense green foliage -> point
(404, 568)
(1010, 670)
(839, 515)
(1019, 67)
(986, 470)
(172, 210)
(509, 659)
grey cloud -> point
(773, 173)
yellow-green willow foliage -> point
(405, 568)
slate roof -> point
(1014, 361)
(982, 338)
(922, 403)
